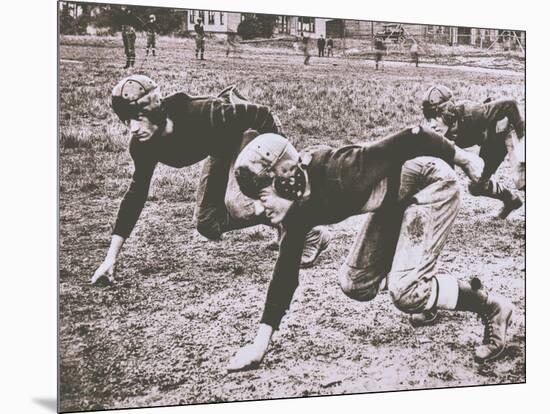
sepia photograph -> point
(259, 206)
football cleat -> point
(497, 318)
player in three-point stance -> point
(489, 125)
(181, 130)
(407, 186)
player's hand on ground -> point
(248, 357)
(470, 163)
(105, 273)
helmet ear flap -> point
(270, 160)
(293, 186)
(150, 101)
(251, 183)
(428, 110)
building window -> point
(193, 15)
(211, 16)
(282, 24)
(306, 24)
(221, 18)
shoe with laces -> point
(510, 205)
(496, 318)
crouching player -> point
(408, 188)
(488, 125)
(181, 130)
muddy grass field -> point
(181, 307)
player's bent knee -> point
(408, 299)
(350, 283)
(209, 229)
(360, 294)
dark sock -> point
(492, 189)
(471, 297)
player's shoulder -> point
(177, 102)
(503, 102)
(466, 108)
(467, 104)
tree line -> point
(76, 17)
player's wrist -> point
(263, 336)
(115, 247)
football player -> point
(488, 125)
(407, 186)
(151, 28)
(181, 130)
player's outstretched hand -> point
(248, 357)
(105, 273)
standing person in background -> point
(379, 49)
(330, 45)
(414, 53)
(151, 29)
(305, 49)
(321, 46)
(129, 23)
(199, 39)
(231, 45)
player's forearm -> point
(128, 215)
(285, 277)
(134, 200)
(115, 247)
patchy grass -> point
(164, 332)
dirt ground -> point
(180, 307)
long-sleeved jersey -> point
(202, 126)
(151, 27)
(199, 30)
(341, 182)
(471, 123)
(129, 21)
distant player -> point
(305, 49)
(151, 28)
(407, 186)
(181, 130)
(231, 43)
(129, 23)
(321, 42)
(414, 53)
(199, 39)
(330, 46)
(379, 50)
(488, 125)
